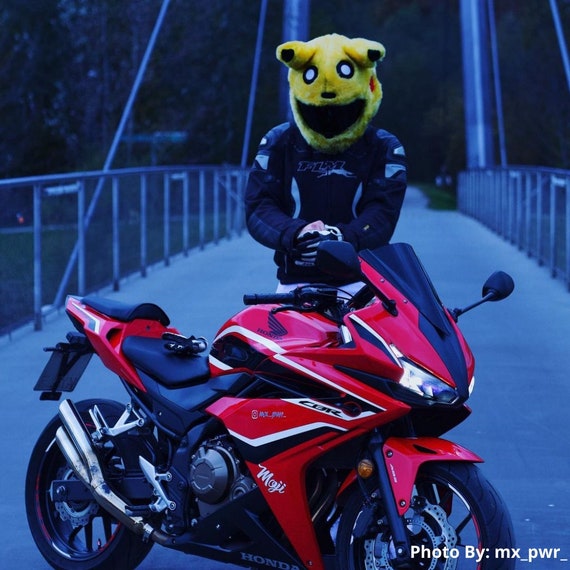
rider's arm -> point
(379, 207)
(269, 206)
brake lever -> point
(298, 308)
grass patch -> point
(438, 198)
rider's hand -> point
(305, 251)
(318, 225)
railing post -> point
(556, 223)
(37, 257)
(527, 211)
(567, 225)
(143, 224)
(202, 209)
(116, 234)
(229, 213)
(166, 218)
(185, 214)
(216, 205)
(539, 191)
(81, 238)
(240, 185)
(518, 220)
(552, 228)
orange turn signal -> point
(365, 468)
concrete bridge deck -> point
(520, 405)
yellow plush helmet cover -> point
(333, 88)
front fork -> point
(397, 461)
(396, 523)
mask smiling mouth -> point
(331, 120)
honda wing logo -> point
(275, 328)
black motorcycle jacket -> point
(360, 191)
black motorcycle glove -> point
(304, 252)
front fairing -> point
(422, 331)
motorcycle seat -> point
(167, 368)
(126, 312)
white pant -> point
(351, 288)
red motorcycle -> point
(309, 437)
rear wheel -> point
(75, 535)
(457, 522)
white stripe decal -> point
(95, 322)
(308, 372)
(262, 160)
(393, 169)
(218, 363)
(338, 412)
(356, 199)
(263, 440)
(269, 344)
(296, 195)
(376, 336)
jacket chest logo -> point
(325, 168)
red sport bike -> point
(308, 437)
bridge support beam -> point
(477, 84)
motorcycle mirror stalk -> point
(497, 287)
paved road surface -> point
(519, 422)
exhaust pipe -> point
(70, 453)
(74, 442)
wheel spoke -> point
(463, 524)
(89, 536)
(107, 527)
(73, 535)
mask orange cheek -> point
(372, 84)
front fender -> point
(405, 456)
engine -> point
(216, 475)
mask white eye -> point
(310, 74)
(345, 69)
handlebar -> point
(269, 299)
(305, 299)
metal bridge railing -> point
(77, 233)
(528, 206)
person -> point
(329, 174)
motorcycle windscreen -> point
(399, 264)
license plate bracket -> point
(65, 367)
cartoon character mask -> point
(333, 88)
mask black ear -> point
(287, 55)
(374, 54)
(365, 52)
(294, 54)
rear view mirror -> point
(499, 286)
(338, 259)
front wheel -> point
(457, 522)
(75, 535)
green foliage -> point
(439, 198)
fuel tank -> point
(259, 332)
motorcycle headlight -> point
(426, 385)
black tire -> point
(453, 501)
(96, 540)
